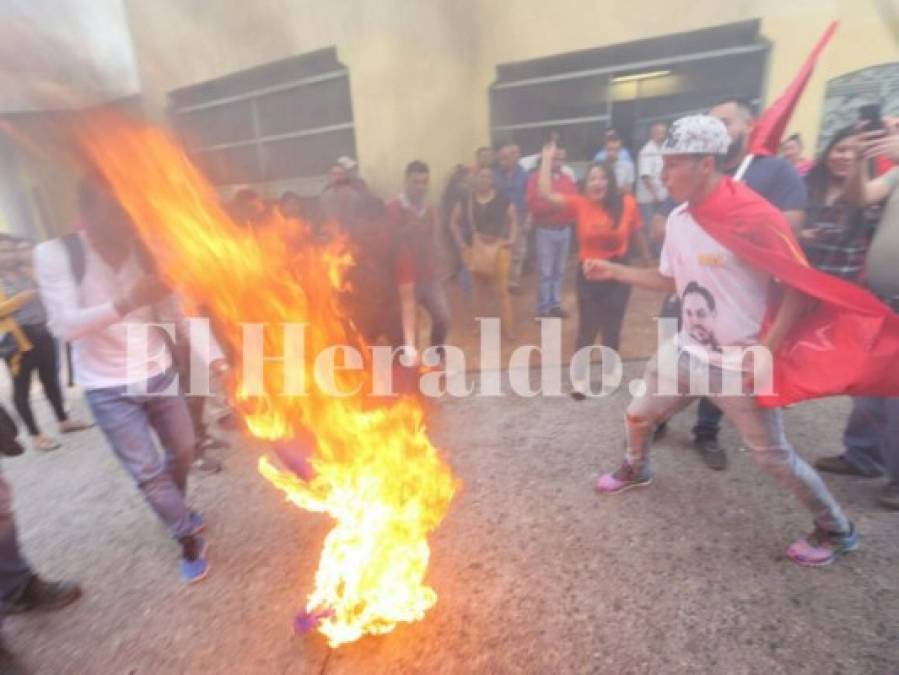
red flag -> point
(770, 127)
(849, 342)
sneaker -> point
(194, 565)
(661, 430)
(712, 454)
(197, 522)
(821, 548)
(12, 448)
(558, 312)
(515, 289)
(889, 498)
(43, 596)
(205, 464)
(622, 480)
(212, 443)
(579, 389)
(72, 425)
(43, 443)
(9, 664)
(839, 465)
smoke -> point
(63, 54)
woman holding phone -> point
(836, 234)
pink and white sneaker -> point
(622, 480)
(821, 547)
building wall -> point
(526, 29)
(410, 63)
(420, 70)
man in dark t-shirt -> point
(413, 220)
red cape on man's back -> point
(847, 344)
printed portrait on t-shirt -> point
(699, 315)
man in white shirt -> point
(94, 284)
(650, 190)
(729, 310)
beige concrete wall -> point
(525, 29)
(420, 69)
(410, 64)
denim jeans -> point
(761, 429)
(708, 419)
(15, 571)
(432, 297)
(872, 436)
(552, 244)
(127, 419)
(519, 249)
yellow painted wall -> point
(410, 64)
(420, 69)
(526, 29)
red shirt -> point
(543, 211)
(415, 257)
(597, 235)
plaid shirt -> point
(836, 238)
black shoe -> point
(9, 664)
(515, 289)
(12, 448)
(661, 430)
(841, 466)
(712, 454)
(43, 596)
(558, 312)
(889, 498)
(206, 464)
(579, 390)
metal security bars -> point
(626, 86)
(276, 126)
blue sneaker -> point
(197, 522)
(194, 565)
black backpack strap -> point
(75, 250)
(77, 259)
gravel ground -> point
(535, 573)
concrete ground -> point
(535, 572)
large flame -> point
(375, 471)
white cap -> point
(697, 135)
(348, 163)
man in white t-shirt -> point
(651, 190)
(95, 284)
(727, 299)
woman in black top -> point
(28, 347)
(494, 225)
(458, 188)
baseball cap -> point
(697, 135)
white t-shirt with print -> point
(723, 299)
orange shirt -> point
(596, 235)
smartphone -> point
(871, 117)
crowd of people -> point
(495, 218)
